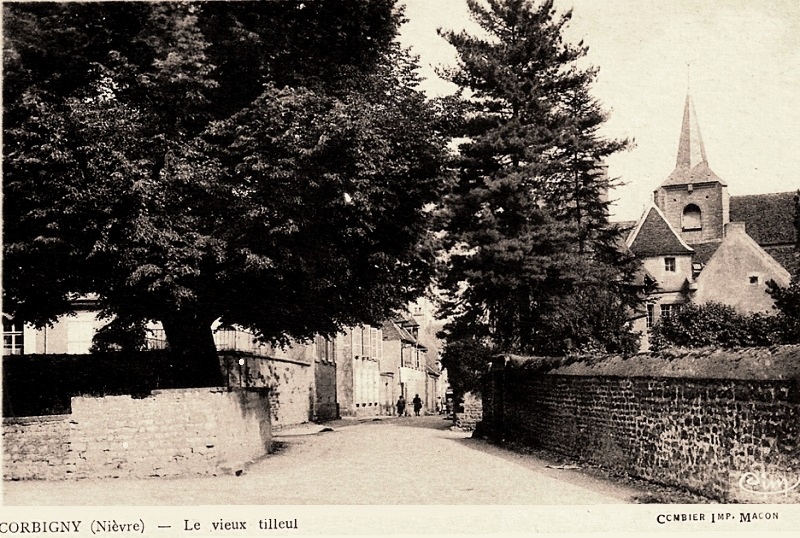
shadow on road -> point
(575, 476)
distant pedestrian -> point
(401, 406)
(417, 404)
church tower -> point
(693, 198)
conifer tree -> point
(532, 264)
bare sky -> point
(745, 83)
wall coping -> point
(777, 363)
(187, 389)
(240, 354)
(36, 419)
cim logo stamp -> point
(763, 483)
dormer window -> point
(692, 218)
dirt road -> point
(411, 460)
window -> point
(668, 309)
(692, 218)
(669, 264)
(651, 315)
(325, 349)
(13, 342)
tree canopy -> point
(531, 263)
(269, 164)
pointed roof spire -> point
(691, 165)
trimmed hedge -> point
(35, 385)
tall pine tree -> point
(532, 263)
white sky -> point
(745, 83)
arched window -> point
(692, 219)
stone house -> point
(68, 335)
(406, 360)
(699, 244)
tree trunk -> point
(190, 338)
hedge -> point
(44, 384)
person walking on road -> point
(401, 406)
(417, 404)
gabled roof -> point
(769, 217)
(653, 236)
(691, 165)
(393, 331)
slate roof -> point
(704, 251)
(769, 218)
(784, 255)
(393, 331)
(655, 237)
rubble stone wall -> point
(179, 432)
(290, 382)
(471, 414)
(734, 440)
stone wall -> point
(470, 413)
(290, 382)
(731, 439)
(179, 432)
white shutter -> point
(373, 333)
(356, 338)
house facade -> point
(700, 244)
(68, 335)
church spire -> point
(691, 165)
(691, 150)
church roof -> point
(654, 236)
(769, 217)
(691, 165)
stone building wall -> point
(178, 432)
(731, 439)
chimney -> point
(735, 228)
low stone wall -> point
(735, 440)
(175, 432)
(470, 413)
(290, 382)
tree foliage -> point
(532, 264)
(716, 325)
(269, 164)
(466, 361)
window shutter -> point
(374, 348)
(356, 336)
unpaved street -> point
(412, 460)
